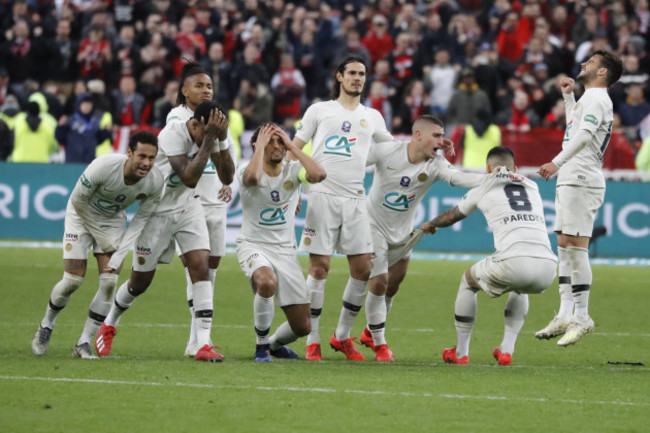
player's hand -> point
(547, 170)
(225, 194)
(566, 85)
(448, 146)
(285, 139)
(427, 227)
(216, 126)
(264, 136)
(109, 270)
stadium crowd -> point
(84, 73)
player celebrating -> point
(404, 172)
(266, 246)
(184, 152)
(195, 88)
(580, 191)
(522, 263)
(95, 218)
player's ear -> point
(489, 168)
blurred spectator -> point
(586, 27)
(33, 137)
(79, 87)
(94, 54)
(401, 59)
(163, 105)
(478, 138)
(519, 117)
(19, 11)
(642, 160)
(441, 79)
(556, 118)
(155, 62)
(190, 43)
(6, 139)
(5, 89)
(412, 105)
(288, 86)
(389, 83)
(248, 67)
(254, 102)
(378, 41)
(220, 71)
(129, 107)
(127, 54)
(378, 99)
(488, 69)
(433, 40)
(356, 48)
(466, 100)
(60, 56)
(17, 53)
(102, 104)
(80, 134)
(633, 111)
(513, 36)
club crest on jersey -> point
(288, 185)
(336, 145)
(405, 181)
(422, 177)
(346, 126)
(398, 202)
(273, 216)
(363, 123)
(275, 196)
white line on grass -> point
(329, 391)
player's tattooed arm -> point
(445, 219)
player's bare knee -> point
(266, 285)
(301, 327)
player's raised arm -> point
(253, 171)
(314, 171)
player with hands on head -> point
(522, 264)
(95, 219)
(184, 151)
(580, 191)
(266, 246)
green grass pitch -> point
(148, 386)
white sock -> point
(202, 291)
(465, 315)
(283, 335)
(389, 304)
(564, 279)
(190, 304)
(316, 289)
(376, 317)
(514, 316)
(123, 300)
(61, 293)
(580, 279)
(353, 296)
(99, 307)
(263, 311)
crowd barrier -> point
(33, 199)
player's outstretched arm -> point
(314, 171)
(445, 219)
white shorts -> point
(575, 209)
(520, 274)
(187, 227)
(215, 218)
(292, 288)
(77, 240)
(336, 224)
(386, 255)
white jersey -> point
(594, 113)
(209, 184)
(269, 208)
(341, 140)
(399, 186)
(175, 140)
(514, 212)
(103, 195)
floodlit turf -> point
(147, 385)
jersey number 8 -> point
(517, 198)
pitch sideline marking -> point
(327, 390)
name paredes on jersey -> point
(523, 217)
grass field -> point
(148, 386)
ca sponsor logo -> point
(273, 216)
(398, 202)
(337, 145)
